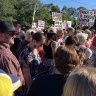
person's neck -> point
(59, 73)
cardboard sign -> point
(58, 24)
(67, 24)
(34, 25)
(86, 18)
(41, 24)
(56, 16)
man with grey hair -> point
(8, 61)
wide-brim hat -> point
(6, 26)
(14, 80)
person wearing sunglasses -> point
(8, 61)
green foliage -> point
(7, 10)
(55, 9)
(22, 10)
(81, 8)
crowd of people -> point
(52, 62)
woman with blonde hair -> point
(81, 82)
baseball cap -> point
(6, 26)
(4, 78)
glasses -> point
(11, 33)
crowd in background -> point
(52, 62)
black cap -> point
(6, 26)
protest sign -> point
(86, 18)
(41, 24)
(34, 25)
(56, 16)
(58, 24)
(67, 24)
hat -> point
(52, 30)
(14, 82)
(6, 26)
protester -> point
(70, 32)
(23, 52)
(89, 38)
(73, 41)
(50, 47)
(81, 82)
(17, 39)
(8, 84)
(29, 57)
(60, 36)
(66, 59)
(8, 61)
(82, 44)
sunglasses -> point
(11, 33)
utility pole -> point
(33, 18)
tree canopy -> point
(22, 11)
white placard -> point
(58, 24)
(41, 24)
(34, 25)
(56, 16)
(67, 24)
(86, 17)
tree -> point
(81, 8)
(25, 9)
(69, 18)
(22, 11)
(65, 9)
(7, 10)
(70, 11)
(69, 14)
(55, 9)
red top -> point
(94, 42)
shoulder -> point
(54, 44)
(45, 79)
(88, 50)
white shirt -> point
(88, 52)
